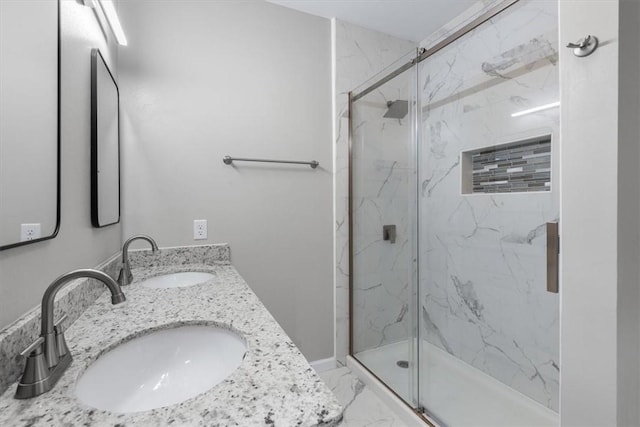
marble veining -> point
(482, 258)
(361, 406)
(381, 173)
(475, 10)
(274, 385)
(360, 54)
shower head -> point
(397, 109)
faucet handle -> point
(37, 344)
(58, 327)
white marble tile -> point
(459, 21)
(380, 153)
(361, 406)
(482, 256)
(360, 54)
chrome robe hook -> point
(585, 46)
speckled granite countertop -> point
(274, 385)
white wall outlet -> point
(199, 229)
(29, 232)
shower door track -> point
(421, 55)
(426, 53)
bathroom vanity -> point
(273, 384)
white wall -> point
(201, 80)
(25, 272)
(589, 216)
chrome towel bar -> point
(228, 160)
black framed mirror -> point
(105, 144)
(29, 122)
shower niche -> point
(521, 166)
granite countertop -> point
(274, 385)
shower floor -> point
(456, 393)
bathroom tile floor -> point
(362, 406)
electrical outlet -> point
(29, 232)
(199, 229)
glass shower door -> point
(488, 184)
(381, 222)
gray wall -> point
(200, 80)
(28, 116)
(629, 216)
(25, 272)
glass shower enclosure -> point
(454, 201)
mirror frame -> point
(95, 218)
(58, 159)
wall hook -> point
(585, 46)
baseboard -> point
(323, 364)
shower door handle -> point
(553, 257)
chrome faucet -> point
(48, 357)
(125, 277)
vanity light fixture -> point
(536, 109)
(112, 17)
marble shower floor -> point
(362, 406)
(457, 393)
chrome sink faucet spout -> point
(48, 357)
(125, 277)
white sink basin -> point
(177, 280)
(160, 369)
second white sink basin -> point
(177, 280)
(161, 369)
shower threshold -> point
(456, 393)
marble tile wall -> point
(380, 162)
(360, 54)
(482, 259)
(475, 10)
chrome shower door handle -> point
(553, 257)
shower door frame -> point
(421, 55)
